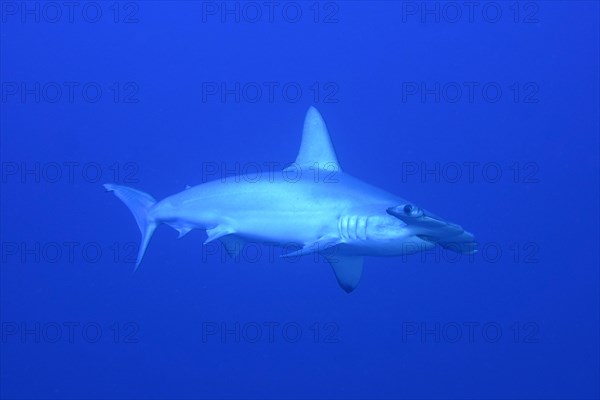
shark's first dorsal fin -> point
(316, 149)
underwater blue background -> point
(164, 91)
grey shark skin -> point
(336, 215)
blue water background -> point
(163, 128)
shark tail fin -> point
(139, 204)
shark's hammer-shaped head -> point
(421, 225)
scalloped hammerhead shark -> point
(343, 219)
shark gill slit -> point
(353, 227)
(341, 229)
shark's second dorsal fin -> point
(316, 149)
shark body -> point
(312, 204)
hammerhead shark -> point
(337, 216)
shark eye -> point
(405, 211)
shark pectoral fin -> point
(217, 232)
(347, 269)
(233, 244)
(324, 243)
(296, 253)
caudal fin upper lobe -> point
(140, 204)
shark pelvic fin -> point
(347, 270)
(184, 230)
(316, 149)
(217, 232)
